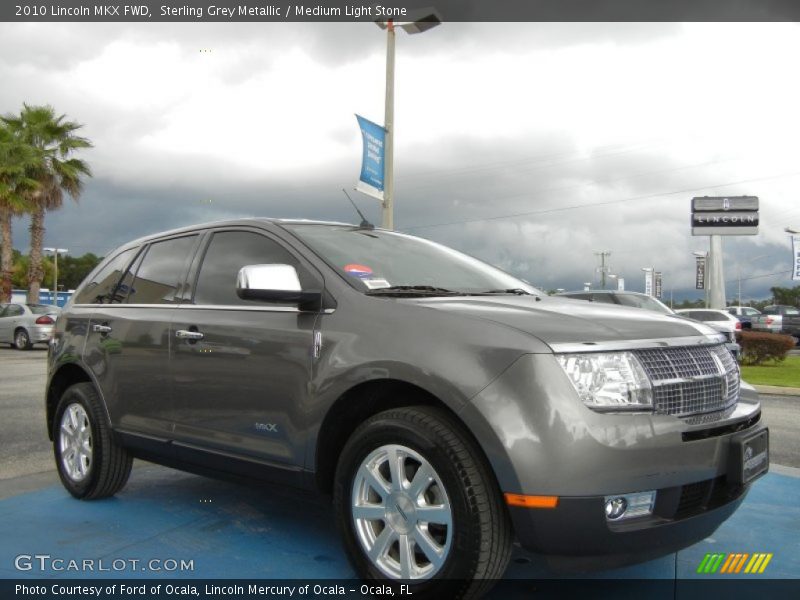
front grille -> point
(692, 380)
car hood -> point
(564, 321)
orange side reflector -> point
(531, 501)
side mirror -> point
(275, 283)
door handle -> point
(101, 328)
(185, 334)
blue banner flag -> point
(372, 163)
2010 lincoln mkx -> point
(446, 406)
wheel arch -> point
(66, 375)
(359, 403)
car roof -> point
(230, 223)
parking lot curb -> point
(777, 390)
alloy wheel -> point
(402, 514)
(75, 442)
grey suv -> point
(447, 406)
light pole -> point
(55, 252)
(739, 274)
(424, 19)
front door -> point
(240, 369)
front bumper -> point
(683, 515)
(548, 443)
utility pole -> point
(603, 269)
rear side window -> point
(102, 287)
(162, 271)
(14, 310)
(41, 309)
(228, 252)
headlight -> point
(613, 381)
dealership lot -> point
(230, 530)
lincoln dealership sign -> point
(725, 215)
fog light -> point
(629, 506)
(615, 508)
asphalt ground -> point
(229, 530)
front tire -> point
(22, 339)
(416, 503)
(90, 463)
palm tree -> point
(55, 138)
(16, 160)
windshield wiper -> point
(413, 290)
(515, 291)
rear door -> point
(10, 317)
(128, 339)
(239, 389)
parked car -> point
(744, 314)
(635, 299)
(639, 300)
(23, 325)
(446, 406)
(779, 319)
(721, 320)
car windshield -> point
(373, 260)
(645, 302)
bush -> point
(757, 347)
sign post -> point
(716, 216)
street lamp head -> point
(419, 21)
(792, 231)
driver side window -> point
(227, 253)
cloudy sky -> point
(531, 146)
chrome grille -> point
(691, 380)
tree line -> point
(71, 270)
(38, 167)
(780, 295)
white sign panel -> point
(795, 258)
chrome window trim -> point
(619, 346)
(289, 309)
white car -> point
(720, 320)
(23, 325)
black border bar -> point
(372, 10)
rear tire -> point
(435, 520)
(22, 340)
(91, 464)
